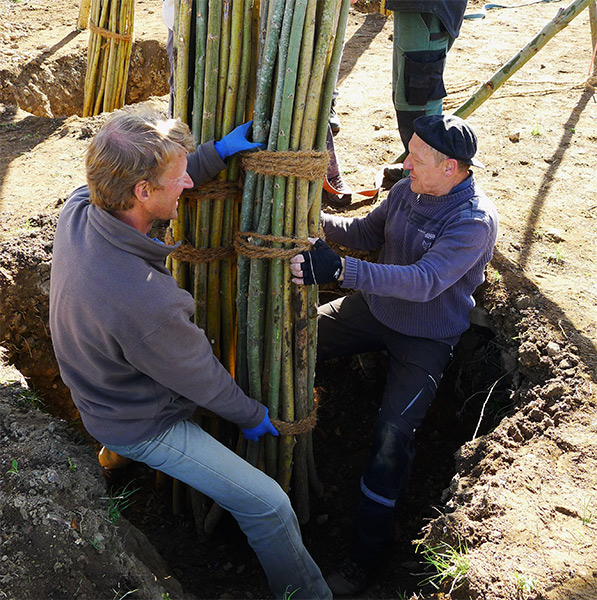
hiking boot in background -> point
(349, 580)
(335, 192)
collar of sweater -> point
(127, 238)
(460, 193)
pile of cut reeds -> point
(108, 55)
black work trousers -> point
(346, 326)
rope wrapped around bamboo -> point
(303, 164)
(209, 190)
(189, 254)
(125, 37)
(214, 190)
(297, 427)
(246, 248)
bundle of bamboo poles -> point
(108, 55)
(278, 63)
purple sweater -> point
(433, 257)
(121, 327)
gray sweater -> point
(433, 257)
(122, 332)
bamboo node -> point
(125, 37)
(296, 427)
(304, 164)
(250, 244)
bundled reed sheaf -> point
(108, 55)
(276, 62)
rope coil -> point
(296, 427)
(213, 190)
(106, 33)
(245, 244)
(308, 164)
(187, 253)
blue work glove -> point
(236, 141)
(254, 433)
(321, 265)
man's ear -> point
(450, 166)
(142, 190)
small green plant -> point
(555, 257)
(537, 131)
(118, 502)
(71, 465)
(288, 594)
(119, 595)
(31, 396)
(525, 583)
(495, 277)
(94, 543)
(14, 469)
(449, 563)
(165, 596)
(589, 511)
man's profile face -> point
(426, 177)
(163, 201)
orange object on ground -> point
(111, 460)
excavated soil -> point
(506, 461)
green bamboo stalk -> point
(227, 287)
(212, 59)
(200, 51)
(242, 272)
(225, 28)
(181, 76)
(255, 303)
(487, 89)
(271, 221)
(303, 386)
(204, 218)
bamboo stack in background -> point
(276, 63)
(108, 55)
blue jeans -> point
(256, 501)
(346, 326)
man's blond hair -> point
(133, 145)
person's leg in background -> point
(421, 44)
(256, 501)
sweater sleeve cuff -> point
(204, 163)
(350, 272)
(256, 419)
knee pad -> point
(387, 471)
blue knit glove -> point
(236, 141)
(254, 433)
(321, 265)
